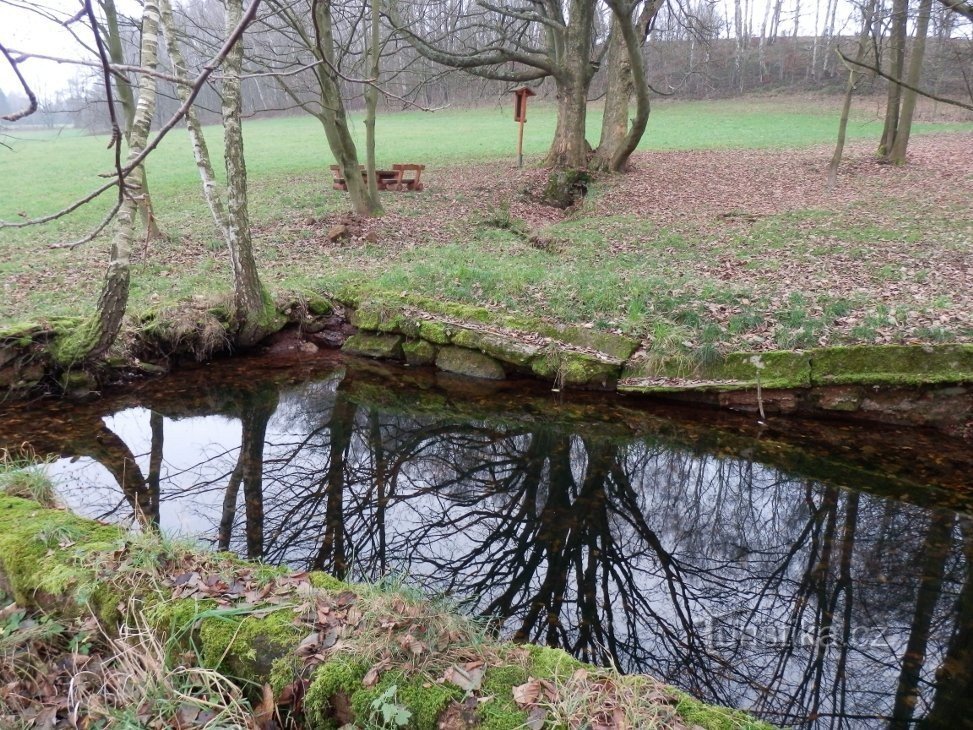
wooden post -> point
(520, 144)
(520, 115)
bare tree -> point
(550, 39)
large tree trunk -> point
(624, 138)
(569, 149)
(614, 124)
(253, 310)
(909, 96)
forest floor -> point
(698, 252)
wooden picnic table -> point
(401, 177)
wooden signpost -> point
(520, 115)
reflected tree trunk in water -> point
(230, 497)
(380, 466)
(954, 677)
(108, 449)
(152, 479)
(332, 556)
(934, 554)
(255, 414)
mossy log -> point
(336, 652)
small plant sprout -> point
(758, 364)
(387, 713)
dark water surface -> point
(816, 574)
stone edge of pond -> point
(921, 384)
(915, 384)
(65, 565)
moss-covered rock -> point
(377, 317)
(506, 349)
(892, 364)
(319, 306)
(438, 333)
(419, 352)
(578, 369)
(618, 347)
(467, 362)
(380, 346)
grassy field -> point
(724, 237)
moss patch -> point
(380, 346)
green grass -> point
(611, 268)
(287, 158)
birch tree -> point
(94, 338)
(254, 313)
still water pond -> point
(817, 575)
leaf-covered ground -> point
(700, 252)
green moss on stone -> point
(778, 369)
(327, 582)
(469, 363)
(424, 698)
(892, 364)
(341, 674)
(419, 352)
(41, 557)
(615, 346)
(247, 646)
(576, 368)
(379, 346)
(378, 317)
(438, 333)
(501, 712)
(549, 663)
(695, 713)
(506, 349)
(318, 305)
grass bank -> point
(724, 238)
(179, 637)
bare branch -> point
(903, 84)
(115, 68)
(94, 234)
(958, 6)
(31, 97)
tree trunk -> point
(569, 149)
(900, 17)
(334, 118)
(126, 97)
(626, 76)
(909, 96)
(251, 301)
(933, 558)
(614, 123)
(371, 102)
(849, 92)
(95, 339)
(204, 164)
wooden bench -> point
(400, 177)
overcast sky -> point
(24, 30)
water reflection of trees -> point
(740, 583)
